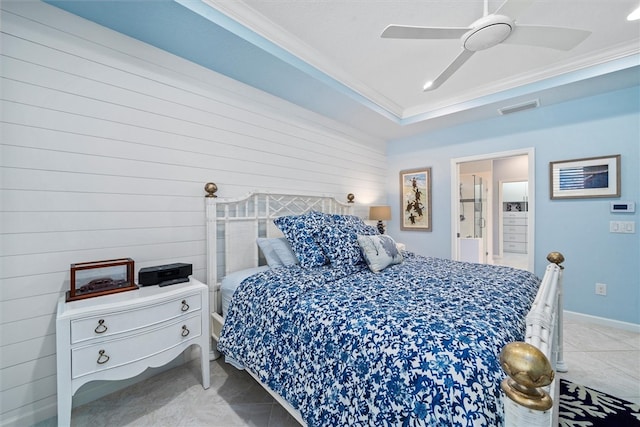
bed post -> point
(530, 388)
(557, 258)
(211, 250)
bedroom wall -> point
(600, 125)
(106, 146)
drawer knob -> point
(185, 331)
(185, 306)
(101, 328)
(102, 358)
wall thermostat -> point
(623, 207)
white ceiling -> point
(342, 39)
(328, 56)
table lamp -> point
(380, 213)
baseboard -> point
(92, 391)
(30, 414)
(587, 318)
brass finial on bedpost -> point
(556, 258)
(210, 188)
(529, 370)
(350, 197)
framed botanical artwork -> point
(585, 178)
(415, 199)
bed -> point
(345, 329)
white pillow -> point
(379, 251)
(270, 255)
(277, 251)
(283, 249)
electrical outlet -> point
(601, 289)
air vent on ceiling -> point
(519, 107)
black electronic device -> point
(165, 275)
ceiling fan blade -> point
(448, 72)
(409, 32)
(559, 38)
(513, 8)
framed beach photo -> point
(585, 178)
(415, 199)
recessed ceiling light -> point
(427, 85)
(635, 15)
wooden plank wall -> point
(106, 145)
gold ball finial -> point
(555, 258)
(210, 188)
(350, 197)
(529, 370)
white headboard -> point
(233, 225)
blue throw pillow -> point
(300, 231)
(339, 240)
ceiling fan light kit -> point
(487, 32)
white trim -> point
(572, 316)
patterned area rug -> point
(584, 407)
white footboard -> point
(531, 389)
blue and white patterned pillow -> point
(379, 251)
(339, 240)
(300, 231)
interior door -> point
(477, 206)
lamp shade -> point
(380, 213)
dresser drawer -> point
(515, 247)
(514, 221)
(122, 351)
(508, 237)
(515, 229)
(514, 214)
(108, 324)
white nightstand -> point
(118, 336)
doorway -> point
(483, 198)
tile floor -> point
(599, 357)
(603, 358)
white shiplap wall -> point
(106, 145)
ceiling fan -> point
(488, 31)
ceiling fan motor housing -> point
(487, 32)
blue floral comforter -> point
(414, 345)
